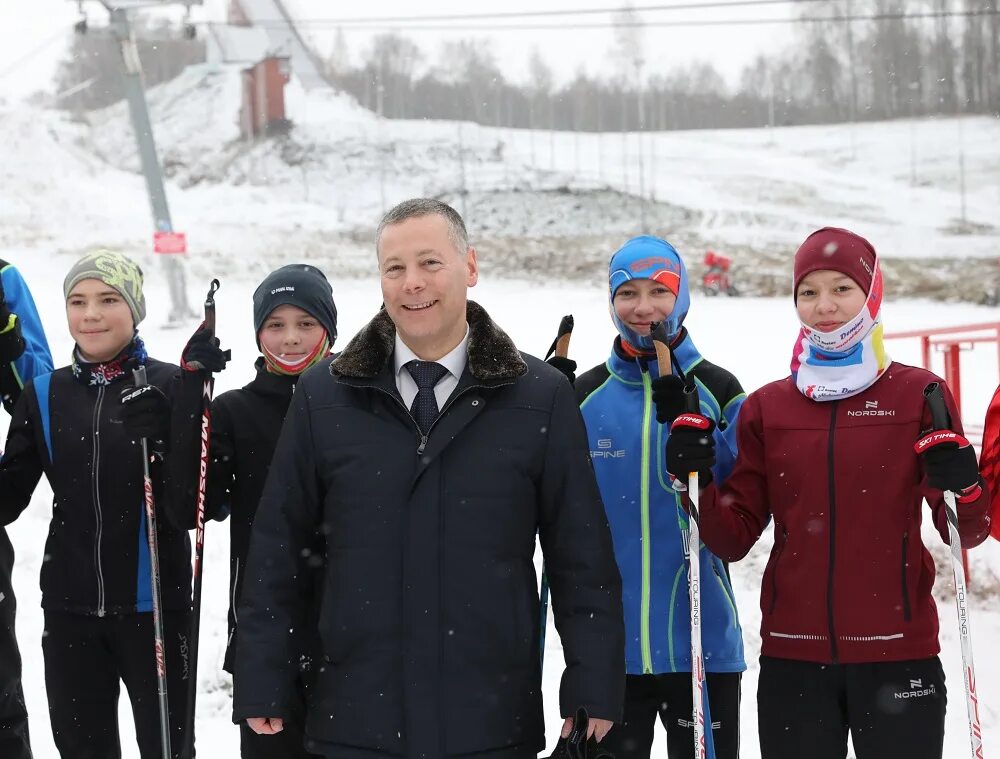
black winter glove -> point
(691, 448)
(576, 745)
(950, 463)
(589, 750)
(566, 365)
(11, 341)
(668, 395)
(145, 412)
(202, 353)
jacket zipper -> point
(906, 591)
(96, 497)
(832, 494)
(774, 569)
(647, 405)
(232, 596)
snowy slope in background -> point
(755, 361)
(751, 190)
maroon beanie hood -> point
(839, 250)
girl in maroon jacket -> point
(849, 633)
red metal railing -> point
(951, 341)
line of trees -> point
(866, 69)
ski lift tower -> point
(167, 240)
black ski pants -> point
(86, 660)
(290, 743)
(890, 709)
(13, 715)
(669, 698)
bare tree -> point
(391, 64)
(338, 63)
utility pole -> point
(640, 127)
(135, 95)
(854, 78)
(462, 188)
(380, 128)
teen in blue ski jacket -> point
(24, 351)
(621, 401)
(24, 354)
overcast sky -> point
(34, 34)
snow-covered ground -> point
(750, 336)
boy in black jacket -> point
(96, 591)
(295, 320)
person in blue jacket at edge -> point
(24, 354)
(628, 407)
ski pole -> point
(941, 421)
(199, 541)
(139, 375)
(661, 342)
(560, 347)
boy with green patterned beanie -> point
(116, 271)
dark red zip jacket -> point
(849, 578)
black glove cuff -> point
(565, 365)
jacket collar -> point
(493, 357)
(683, 354)
(268, 383)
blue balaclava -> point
(648, 257)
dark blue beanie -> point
(299, 285)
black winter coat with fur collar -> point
(429, 614)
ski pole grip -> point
(139, 376)
(661, 342)
(213, 288)
(691, 403)
(563, 336)
(940, 418)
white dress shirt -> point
(454, 362)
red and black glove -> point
(691, 448)
(950, 462)
(202, 353)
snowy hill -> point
(533, 199)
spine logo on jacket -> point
(606, 450)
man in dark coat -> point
(428, 454)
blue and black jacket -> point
(97, 555)
(36, 359)
(648, 523)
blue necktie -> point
(426, 374)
